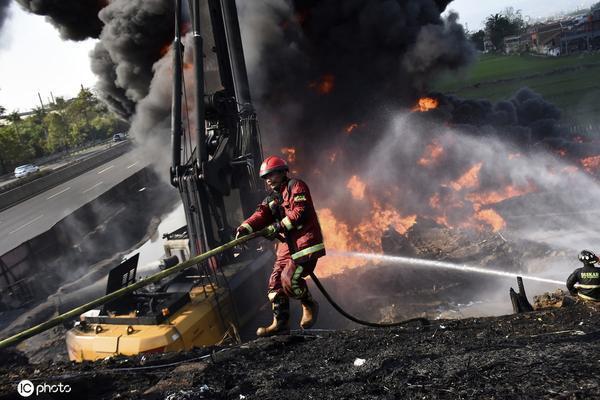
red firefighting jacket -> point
(292, 206)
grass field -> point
(572, 82)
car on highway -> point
(24, 170)
(117, 137)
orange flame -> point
(289, 153)
(469, 182)
(425, 104)
(165, 49)
(470, 179)
(492, 218)
(357, 187)
(364, 237)
(325, 85)
(351, 127)
(591, 164)
(497, 196)
(433, 152)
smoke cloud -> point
(135, 35)
(325, 64)
(4, 5)
(74, 19)
(526, 118)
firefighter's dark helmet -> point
(588, 257)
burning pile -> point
(341, 89)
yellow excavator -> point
(209, 302)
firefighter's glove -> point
(241, 231)
(276, 228)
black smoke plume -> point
(133, 38)
(133, 35)
(524, 119)
(75, 19)
(324, 65)
(336, 81)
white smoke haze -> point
(151, 124)
(559, 211)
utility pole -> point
(41, 102)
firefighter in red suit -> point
(289, 208)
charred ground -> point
(544, 354)
(536, 355)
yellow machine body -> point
(202, 321)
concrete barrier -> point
(61, 175)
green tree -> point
(80, 111)
(478, 38)
(34, 134)
(507, 23)
(12, 150)
(58, 131)
(14, 118)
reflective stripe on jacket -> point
(587, 280)
(292, 206)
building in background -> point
(559, 37)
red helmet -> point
(272, 164)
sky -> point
(34, 59)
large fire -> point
(459, 203)
(467, 188)
(364, 236)
(425, 104)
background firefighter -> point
(586, 278)
(290, 209)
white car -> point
(24, 170)
(117, 137)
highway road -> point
(56, 164)
(36, 215)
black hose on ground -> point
(423, 321)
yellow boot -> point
(281, 317)
(310, 311)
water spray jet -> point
(398, 260)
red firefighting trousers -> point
(288, 277)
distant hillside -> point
(572, 82)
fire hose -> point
(267, 232)
(423, 321)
